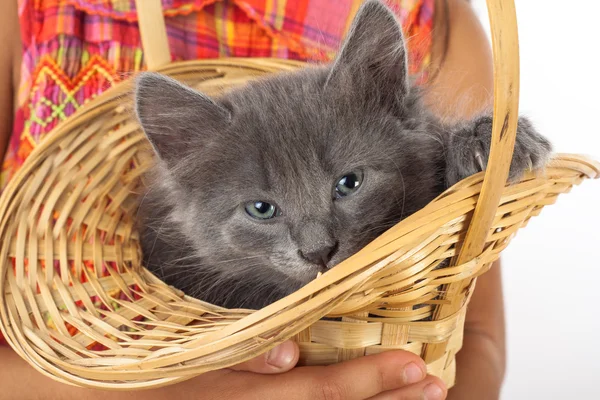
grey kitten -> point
(257, 191)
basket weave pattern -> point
(70, 212)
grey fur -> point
(287, 139)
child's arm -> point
(382, 375)
(10, 38)
(482, 360)
(462, 88)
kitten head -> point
(286, 177)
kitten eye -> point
(348, 184)
(262, 210)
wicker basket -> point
(69, 212)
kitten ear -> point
(373, 56)
(175, 116)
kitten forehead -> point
(294, 117)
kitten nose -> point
(320, 256)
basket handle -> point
(505, 44)
(153, 32)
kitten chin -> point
(298, 171)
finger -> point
(430, 388)
(361, 378)
(279, 359)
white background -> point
(551, 270)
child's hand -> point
(393, 375)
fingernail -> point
(433, 392)
(282, 355)
(413, 373)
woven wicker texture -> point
(70, 211)
(72, 206)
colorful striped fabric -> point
(73, 50)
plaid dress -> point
(73, 50)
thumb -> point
(279, 359)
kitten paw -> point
(469, 149)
